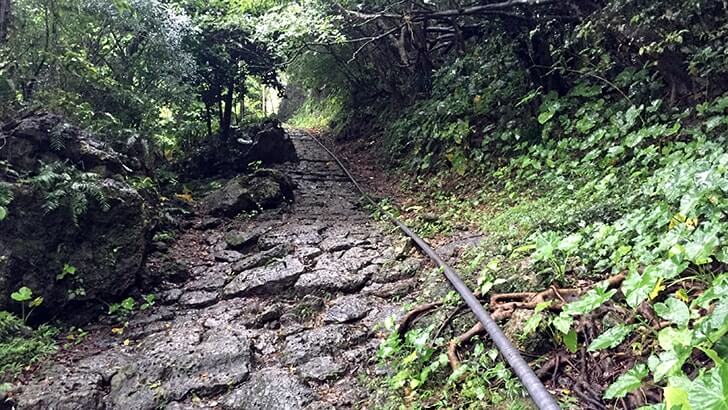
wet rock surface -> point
(275, 312)
(106, 243)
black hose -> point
(540, 396)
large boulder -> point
(95, 227)
(266, 144)
(107, 248)
(39, 138)
(264, 189)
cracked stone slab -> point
(240, 239)
(198, 299)
(303, 346)
(387, 290)
(267, 279)
(402, 270)
(168, 367)
(321, 369)
(328, 280)
(260, 258)
(347, 309)
(270, 389)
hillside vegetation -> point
(585, 142)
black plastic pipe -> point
(540, 396)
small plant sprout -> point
(28, 303)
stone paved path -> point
(279, 312)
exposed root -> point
(413, 315)
(448, 320)
(452, 346)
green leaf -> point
(23, 294)
(570, 341)
(3, 213)
(611, 338)
(709, 391)
(570, 243)
(637, 287)
(674, 310)
(128, 304)
(590, 301)
(532, 324)
(676, 394)
(563, 322)
(627, 382)
(545, 116)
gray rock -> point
(347, 309)
(71, 388)
(303, 346)
(403, 270)
(270, 389)
(172, 296)
(321, 369)
(260, 258)
(271, 278)
(326, 280)
(386, 290)
(198, 299)
(107, 248)
(228, 256)
(265, 189)
(238, 239)
(167, 367)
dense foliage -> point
(584, 139)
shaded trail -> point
(279, 312)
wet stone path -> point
(277, 312)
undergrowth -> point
(317, 113)
(607, 179)
(21, 346)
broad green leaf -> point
(718, 289)
(674, 310)
(669, 362)
(3, 213)
(671, 338)
(676, 394)
(590, 301)
(570, 243)
(532, 324)
(709, 391)
(637, 287)
(545, 116)
(627, 382)
(611, 338)
(23, 294)
(128, 303)
(563, 322)
(570, 341)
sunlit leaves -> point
(611, 338)
(627, 382)
(674, 310)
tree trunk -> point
(227, 115)
(242, 101)
(208, 119)
(5, 17)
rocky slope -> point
(279, 311)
